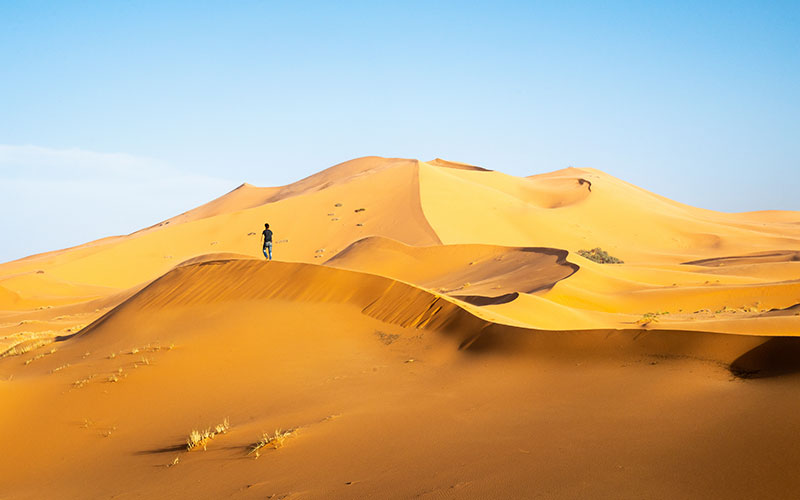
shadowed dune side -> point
(754, 258)
(230, 281)
(776, 356)
(792, 310)
(468, 328)
(479, 274)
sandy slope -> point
(480, 274)
(454, 345)
(580, 208)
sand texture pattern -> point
(426, 330)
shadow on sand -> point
(777, 356)
(168, 449)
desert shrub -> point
(600, 256)
(275, 441)
(198, 438)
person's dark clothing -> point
(267, 243)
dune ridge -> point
(398, 303)
(478, 271)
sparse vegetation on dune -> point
(386, 338)
(23, 342)
(650, 317)
(40, 356)
(274, 441)
(59, 368)
(82, 382)
(198, 438)
(600, 256)
(26, 345)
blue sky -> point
(126, 113)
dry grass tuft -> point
(26, 345)
(198, 438)
(275, 441)
(223, 427)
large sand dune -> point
(428, 329)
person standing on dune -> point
(266, 237)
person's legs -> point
(269, 249)
(265, 254)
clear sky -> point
(115, 115)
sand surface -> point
(427, 330)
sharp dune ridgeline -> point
(428, 329)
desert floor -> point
(426, 330)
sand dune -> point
(470, 272)
(428, 329)
(556, 210)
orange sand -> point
(427, 330)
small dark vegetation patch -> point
(386, 338)
(599, 255)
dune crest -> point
(229, 282)
(438, 162)
(469, 272)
